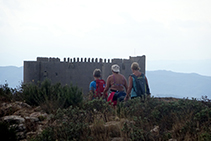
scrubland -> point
(72, 116)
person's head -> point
(135, 66)
(97, 73)
(115, 68)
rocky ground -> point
(28, 121)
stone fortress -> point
(78, 71)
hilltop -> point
(55, 112)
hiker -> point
(138, 84)
(117, 84)
(97, 86)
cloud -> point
(80, 17)
(162, 30)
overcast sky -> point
(176, 33)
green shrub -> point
(6, 93)
(51, 97)
(181, 119)
(96, 107)
(46, 135)
(137, 107)
(206, 136)
(68, 124)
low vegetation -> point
(76, 118)
(6, 93)
(50, 96)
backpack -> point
(100, 86)
(141, 86)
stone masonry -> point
(78, 71)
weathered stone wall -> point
(78, 71)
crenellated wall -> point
(78, 71)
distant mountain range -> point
(11, 75)
(171, 84)
(162, 83)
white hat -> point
(115, 68)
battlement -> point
(77, 71)
(86, 60)
(45, 59)
(82, 60)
